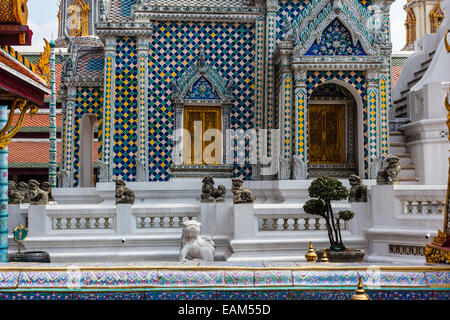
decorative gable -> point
(336, 40)
(202, 89)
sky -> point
(43, 20)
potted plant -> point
(323, 190)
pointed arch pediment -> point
(202, 82)
(336, 40)
(308, 28)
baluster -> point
(143, 222)
(161, 222)
(68, 223)
(286, 224)
(180, 221)
(58, 223)
(440, 207)
(106, 223)
(152, 222)
(296, 224)
(275, 224)
(306, 225)
(97, 223)
(190, 218)
(170, 222)
(265, 226)
(430, 207)
(410, 207)
(88, 223)
(419, 207)
(317, 224)
(78, 223)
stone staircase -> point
(398, 148)
(401, 103)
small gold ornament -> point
(324, 257)
(311, 256)
(360, 293)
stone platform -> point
(221, 281)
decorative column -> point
(52, 115)
(300, 122)
(285, 109)
(259, 94)
(373, 118)
(271, 34)
(69, 128)
(106, 163)
(142, 174)
(3, 191)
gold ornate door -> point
(326, 134)
(210, 118)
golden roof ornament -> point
(360, 293)
(311, 255)
(44, 62)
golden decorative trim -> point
(79, 18)
(436, 17)
(435, 254)
(44, 62)
(6, 134)
(447, 46)
(14, 12)
(410, 25)
(16, 55)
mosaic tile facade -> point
(139, 115)
(88, 101)
(125, 116)
(174, 48)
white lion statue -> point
(194, 245)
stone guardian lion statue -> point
(389, 173)
(193, 245)
(241, 194)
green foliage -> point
(346, 215)
(328, 189)
(316, 207)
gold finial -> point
(311, 255)
(360, 293)
(324, 257)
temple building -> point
(317, 71)
(422, 17)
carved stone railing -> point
(164, 216)
(291, 218)
(151, 222)
(83, 223)
(423, 207)
(84, 218)
(302, 222)
(429, 201)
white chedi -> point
(193, 245)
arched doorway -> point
(87, 150)
(332, 131)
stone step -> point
(396, 136)
(408, 180)
(405, 158)
(408, 171)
